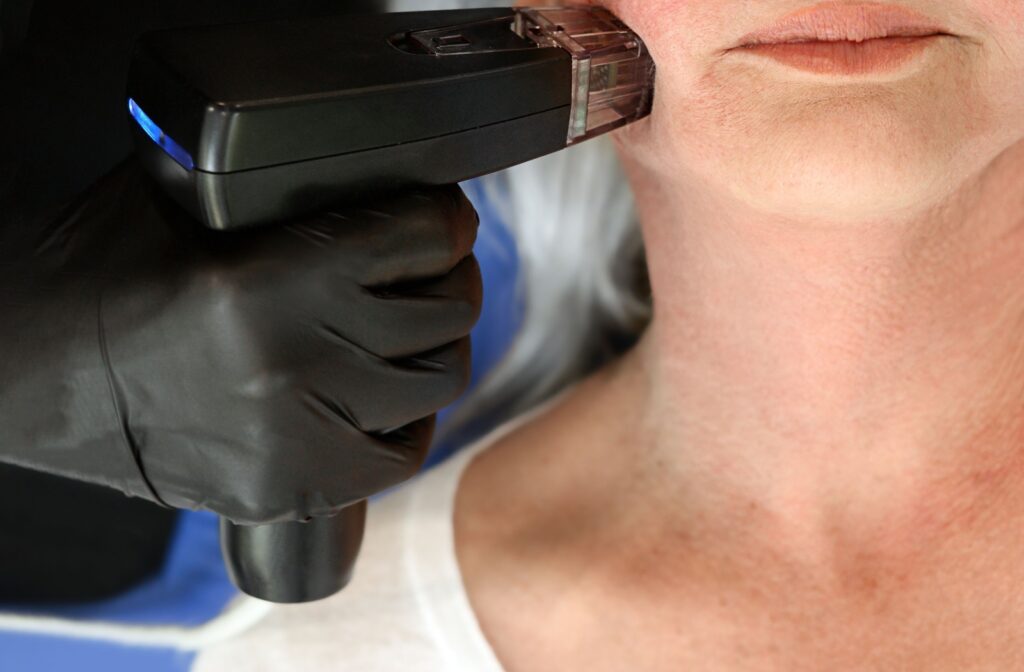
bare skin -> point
(814, 460)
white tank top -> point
(406, 608)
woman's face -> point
(787, 141)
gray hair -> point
(582, 278)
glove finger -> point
(382, 461)
(320, 468)
(409, 236)
(415, 317)
(378, 394)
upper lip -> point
(830, 22)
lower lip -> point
(845, 58)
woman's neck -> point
(817, 447)
(855, 382)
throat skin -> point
(812, 418)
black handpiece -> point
(262, 122)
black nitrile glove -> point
(267, 375)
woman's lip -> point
(830, 22)
(845, 57)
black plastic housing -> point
(294, 563)
(283, 118)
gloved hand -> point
(267, 375)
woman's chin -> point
(835, 192)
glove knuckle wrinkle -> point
(315, 232)
(333, 410)
(335, 337)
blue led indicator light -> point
(173, 149)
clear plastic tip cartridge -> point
(612, 71)
(613, 75)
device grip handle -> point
(297, 561)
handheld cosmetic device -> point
(255, 123)
(262, 122)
